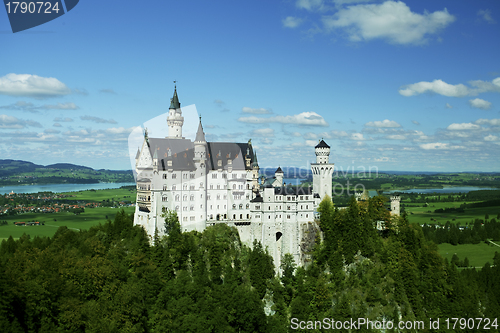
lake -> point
(445, 190)
(58, 188)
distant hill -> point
(16, 172)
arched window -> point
(177, 197)
(191, 197)
(234, 186)
(241, 206)
(234, 206)
(248, 206)
(177, 208)
(185, 197)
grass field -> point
(478, 254)
(117, 194)
(421, 215)
(85, 220)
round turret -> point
(322, 151)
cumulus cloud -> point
(491, 138)
(391, 20)
(291, 22)
(255, 111)
(442, 88)
(98, 120)
(438, 145)
(30, 107)
(304, 118)
(480, 104)
(384, 124)
(339, 134)
(309, 4)
(32, 86)
(396, 137)
(463, 126)
(64, 120)
(485, 14)
(357, 137)
(10, 122)
(415, 122)
(263, 132)
(492, 122)
(448, 106)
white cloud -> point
(391, 20)
(448, 106)
(304, 118)
(61, 106)
(415, 122)
(438, 145)
(485, 14)
(108, 91)
(463, 126)
(310, 136)
(442, 88)
(309, 4)
(10, 122)
(492, 122)
(255, 111)
(357, 137)
(32, 86)
(65, 120)
(263, 132)
(491, 138)
(311, 143)
(396, 137)
(436, 86)
(480, 104)
(296, 134)
(292, 22)
(339, 133)
(385, 124)
(98, 120)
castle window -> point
(176, 208)
(288, 217)
(248, 206)
(229, 162)
(307, 206)
(185, 176)
(219, 163)
(301, 207)
(164, 176)
(185, 197)
(174, 176)
(225, 197)
(191, 187)
(149, 187)
(241, 216)
(191, 208)
(224, 206)
(209, 197)
(201, 185)
(248, 197)
(307, 197)
(248, 216)
(234, 216)
(211, 186)
(307, 215)
(191, 175)
(214, 176)
(184, 209)
(191, 197)
(241, 206)
(185, 187)
(257, 207)
(201, 206)
(248, 186)
(235, 176)
(218, 186)
(224, 176)
(177, 197)
(234, 186)
(234, 206)
(301, 197)
(164, 187)
(218, 196)
(191, 218)
(169, 163)
(288, 207)
(185, 218)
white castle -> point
(218, 182)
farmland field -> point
(478, 254)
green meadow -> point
(117, 194)
(421, 214)
(478, 254)
(83, 221)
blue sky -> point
(394, 85)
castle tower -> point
(200, 146)
(278, 174)
(395, 205)
(175, 120)
(322, 170)
(255, 173)
(200, 160)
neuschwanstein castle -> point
(218, 182)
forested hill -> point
(15, 172)
(110, 279)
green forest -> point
(110, 278)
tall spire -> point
(174, 101)
(200, 136)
